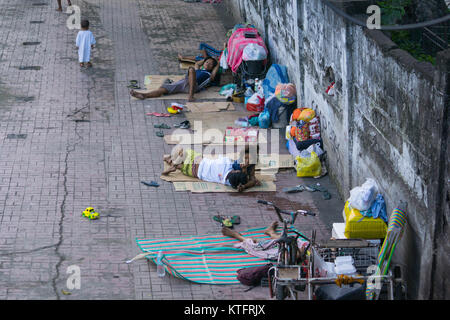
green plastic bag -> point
(308, 166)
(226, 89)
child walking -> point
(85, 41)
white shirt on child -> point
(85, 39)
(215, 170)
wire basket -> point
(362, 257)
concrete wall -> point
(388, 120)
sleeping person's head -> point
(237, 178)
(209, 64)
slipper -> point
(133, 86)
(159, 134)
(157, 114)
(180, 124)
(316, 187)
(186, 125)
(151, 183)
(326, 195)
(298, 188)
(227, 221)
(162, 126)
(133, 82)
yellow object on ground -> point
(359, 227)
(308, 166)
(90, 213)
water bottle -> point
(256, 84)
(160, 266)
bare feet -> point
(81, 64)
(59, 9)
(88, 65)
(191, 99)
(272, 229)
(137, 94)
(180, 57)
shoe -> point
(298, 188)
(162, 126)
(159, 134)
(326, 195)
(150, 184)
(183, 125)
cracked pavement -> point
(88, 144)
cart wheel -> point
(280, 292)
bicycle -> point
(290, 257)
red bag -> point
(252, 276)
(255, 103)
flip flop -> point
(183, 125)
(227, 221)
(133, 86)
(326, 195)
(157, 114)
(298, 188)
(316, 187)
(162, 126)
(151, 183)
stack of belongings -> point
(304, 142)
(364, 214)
(248, 135)
(281, 104)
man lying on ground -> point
(265, 249)
(198, 77)
(222, 170)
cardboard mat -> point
(178, 176)
(201, 107)
(191, 139)
(203, 187)
(153, 82)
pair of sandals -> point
(133, 85)
(183, 125)
(227, 221)
(311, 188)
(161, 126)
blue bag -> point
(276, 74)
(264, 119)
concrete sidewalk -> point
(81, 141)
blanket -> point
(207, 259)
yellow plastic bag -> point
(359, 227)
(308, 166)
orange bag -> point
(307, 115)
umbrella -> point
(396, 225)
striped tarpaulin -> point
(208, 259)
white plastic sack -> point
(361, 198)
(315, 148)
(223, 60)
(306, 153)
(254, 52)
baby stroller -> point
(247, 56)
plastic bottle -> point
(256, 84)
(160, 266)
